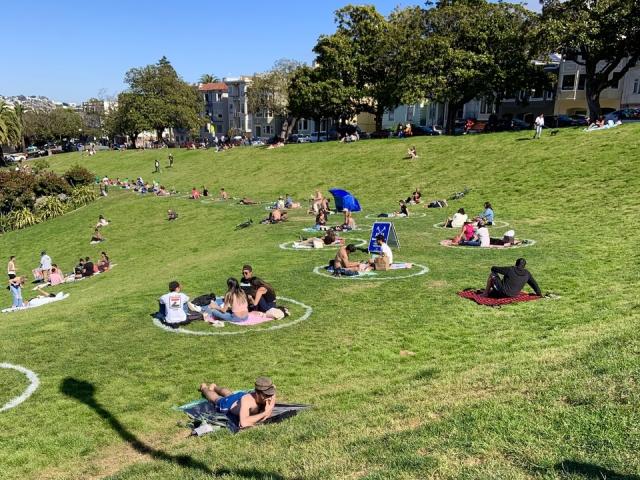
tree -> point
(42, 126)
(208, 78)
(473, 49)
(10, 127)
(365, 55)
(601, 35)
(167, 100)
(270, 91)
(312, 97)
(128, 119)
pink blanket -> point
(255, 318)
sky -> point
(71, 50)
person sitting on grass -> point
(172, 215)
(385, 250)
(321, 219)
(348, 223)
(264, 298)
(88, 269)
(104, 263)
(102, 222)
(487, 214)
(512, 282)
(205, 191)
(174, 306)
(342, 265)
(457, 220)
(404, 211)
(195, 194)
(79, 269)
(466, 233)
(250, 407)
(235, 307)
(481, 237)
(412, 153)
(56, 277)
(162, 192)
(276, 216)
(223, 194)
(97, 236)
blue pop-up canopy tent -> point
(344, 199)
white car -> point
(303, 139)
(15, 157)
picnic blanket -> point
(480, 298)
(255, 318)
(38, 302)
(523, 243)
(203, 411)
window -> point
(636, 85)
(259, 114)
(390, 115)
(581, 81)
(268, 114)
(485, 107)
(410, 110)
(568, 82)
(548, 95)
(267, 129)
(303, 124)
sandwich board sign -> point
(388, 230)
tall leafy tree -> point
(270, 91)
(366, 55)
(128, 119)
(601, 35)
(47, 125)
(474, 48)
(168, 101)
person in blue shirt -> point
(487, 214)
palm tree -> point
(10, 128)
(208, 78)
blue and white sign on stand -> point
(388, 230)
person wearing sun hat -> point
(251, 407)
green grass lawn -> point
(546, 389)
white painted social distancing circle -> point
(527, 242)
(321, 270)
(34, 383)
(289, 245)
(374, 216)
(202, 333)
(496, 224)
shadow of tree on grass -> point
(591, 471)
(84, 392)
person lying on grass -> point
(172, 215)
(512, 282)
(97, 236)
(15, 286)
(330, 238)
(289, 203)
(247, 201)
(235, 307)
(102, 222)
(457, 220)
(250, 407)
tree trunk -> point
(593, 101)
(378, 118)
(450, 121)
(283, 129)
(2, 162)
(291, 126)
(159, 134)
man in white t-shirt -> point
(458, 219)
(539, 124)
(45, 266)
(174, 305)
(385, 250)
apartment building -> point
(216, 109)
(238, 109)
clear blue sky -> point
(69, 50)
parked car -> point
(35, 152)
(14, 157)
(386, 133)
(625, 115)
(429, 130)
(580, 119)
(322, 138)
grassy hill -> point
(546, 389)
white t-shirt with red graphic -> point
(174, 306)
